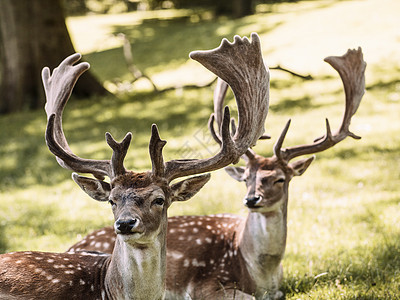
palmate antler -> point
(239, 63)
(58, 88)
(351, 68)
(216, 117)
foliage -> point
(343, 238)
(82, 7)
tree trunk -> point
(242, 8)
(33, 34)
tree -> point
(242, 8)
(33, 34)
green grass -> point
(344, 212)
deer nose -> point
(126, 226)
(252, 202)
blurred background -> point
(344, 212)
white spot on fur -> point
(175, 254)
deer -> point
(230, 256)
(136, 268)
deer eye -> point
(158, 201)
(280, 180)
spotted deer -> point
(216, 256)
(139, 201)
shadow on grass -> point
(292, 105)
(363, 151)
(160, 44)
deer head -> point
(239, 63)
(267, 178)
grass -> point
(343, 239)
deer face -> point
(267, 181)
(140, 201)
(139, 206)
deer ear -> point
(186, 189)
(301, 165)
(97, 189)
(236, 173)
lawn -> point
(343, 223)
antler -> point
(219, 96)
(240, 64)
(351, 68)
(58, 88)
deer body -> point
(52, 275)
(129, 273)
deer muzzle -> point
(127, 226)
(252, 201)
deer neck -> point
(262, 246)
(137, 272)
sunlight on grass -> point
(343, 237)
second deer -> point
(216, 256)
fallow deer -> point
(139, 201)
(209, 257)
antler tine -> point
(156, 146)
(219, 96)
(58, 88)
(214, 135)
(278, 151)
(240, 65)
(119, 153)
(351, 68)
